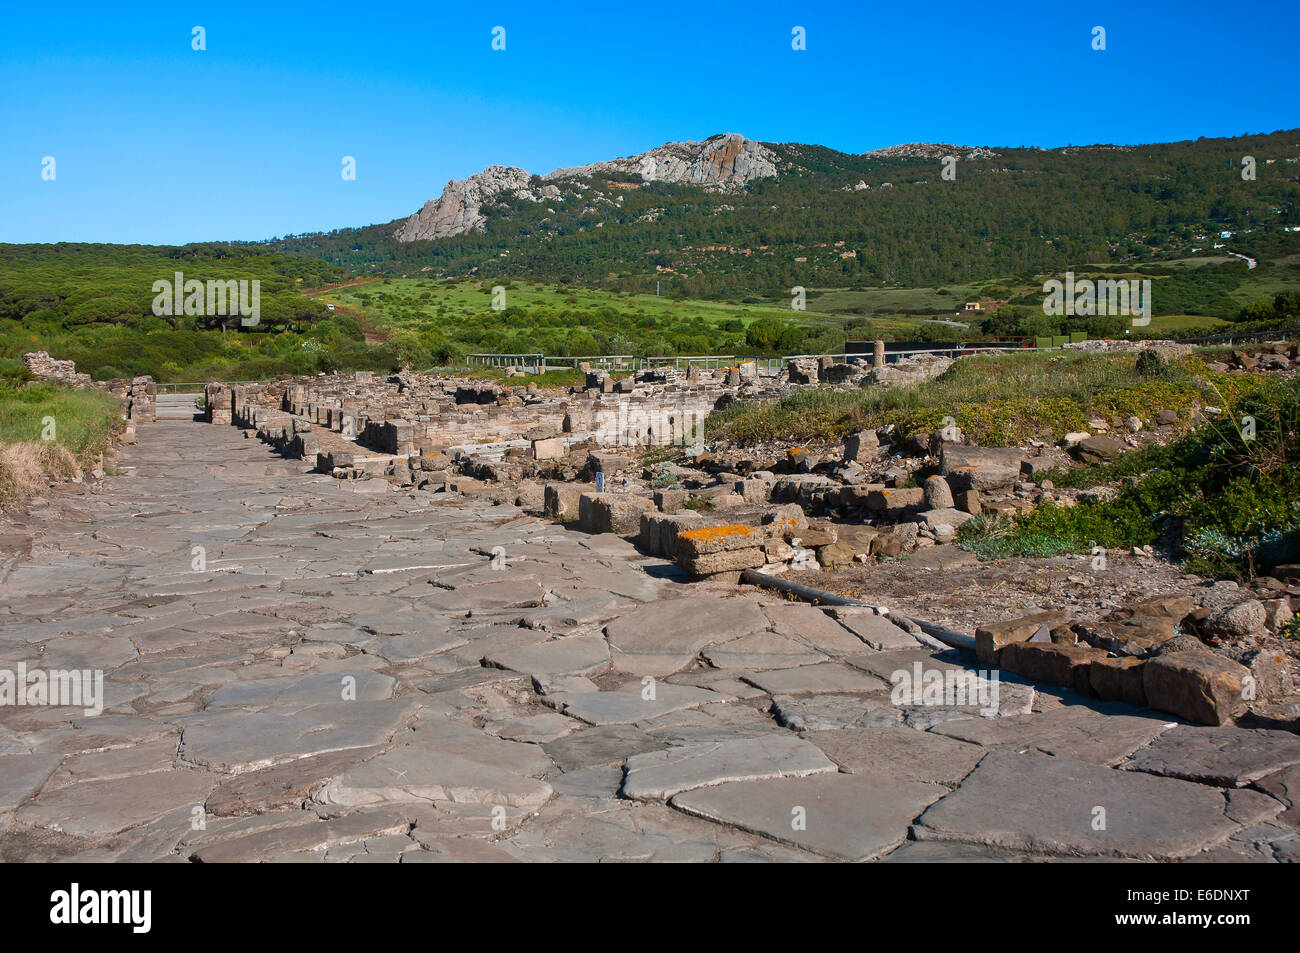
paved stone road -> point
(357, 675)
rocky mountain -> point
(459, 208)
(721, 162)
(728, 215)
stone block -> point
(1056, 663)
(992, 637)
(1199, 686)
(1119, 679)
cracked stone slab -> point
(843, 816)
(714, 722)
(234, 741)
(875, 630)
(629, 705)
(810, 625)
(829, 712)
(414, 773)
(506, 594)
(826, 678)
(1285, 786)
(1263, 844)
(443, 736)
(301, 690)
(541, 727)
(592, 747)
(1041, 804)
(885, 664)
(22, 775)
(763, 651)
(1077, 733)
(310, 833)
(572, 655)
(109, 806)
(954, 852)
(147, 758)
(898, 752)
(284, 786)
(455, 850)
(663, 774)
(1227, 756)
(664, 637)
(584, 830)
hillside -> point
(732, 217)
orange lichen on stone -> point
(716, 539)
(717, 532)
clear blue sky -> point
(157, 143)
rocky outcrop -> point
(931, 150)
(459, 208)
(725, 161)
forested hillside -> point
(831, 219)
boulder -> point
(1201, 687)
(938, 494)
(980, 468)
(1098, 448)
(1241, 621)
(861, 447)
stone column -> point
(878, 355)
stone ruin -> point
(138, 395)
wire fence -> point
(538, 363)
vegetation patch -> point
(1226, 500)
(996, 400)
(47, 432)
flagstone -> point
(107, 806)
(1226, 756)
(663, 637)
(828, 712)
(573, 655)
(414, 773)
(763, 651)
(22, 775)
(662, 774)
(898, 752)
(1077, 733)
(1042, 804)
(234, 741)
(827, 678)
(842, 816)
(351, 684)
(637, 703)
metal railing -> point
(178, 387)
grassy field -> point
(405, 302)
(998, 400)
(1227, 506)
(48, 431)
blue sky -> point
(157, 143)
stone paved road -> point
(350, 674)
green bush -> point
(1226, 499)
